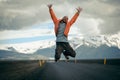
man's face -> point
(65, 19)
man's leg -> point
(69, 50)
(58, 51)
(65, 54)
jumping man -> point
(62, 27)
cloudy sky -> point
(26, 21)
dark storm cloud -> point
(112, 18)
(107, 10)
(17, 14)
(112, 2)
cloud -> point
(20, 14)
(17, 14)
(106, 11)
(115, 2)
(36, 30)
(88, 26)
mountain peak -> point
(96, 41)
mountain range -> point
(93, 47)
(11, 55)
(90, 47)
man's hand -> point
(49, 6)
(79, 9)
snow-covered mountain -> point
(86, 47)
(75, 41)
(90, 47)
(96, 41)
(86, 52)
(11, 55)
(28, 48)
(11, 49)
(100, 52)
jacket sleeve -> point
(74, 18)
(53, 16)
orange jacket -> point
(56, 22)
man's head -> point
(65, 19)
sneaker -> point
(56, 60)
(67, 57)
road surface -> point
(80, 71)
(31, 70)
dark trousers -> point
(65, 48)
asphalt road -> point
(31, 70)
(20, 70)
(79, 71)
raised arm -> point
(76, 15)
(53, 16)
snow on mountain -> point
(76, 41)
(28, 48)
(10, 55)
(96, 41)
(90, 47)
(11, 49)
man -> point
(62, 27)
